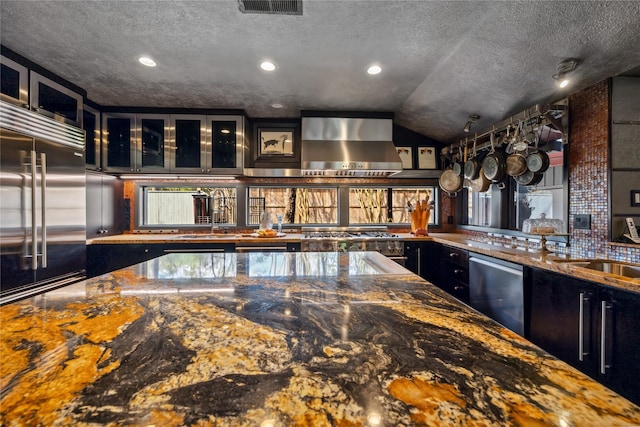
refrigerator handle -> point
(34, 225)
(43, 195)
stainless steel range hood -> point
(348, 147)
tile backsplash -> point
(589, 176)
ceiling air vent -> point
(271, 7)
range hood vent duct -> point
(348, 147)
(271, 7)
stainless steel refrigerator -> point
(42, 203)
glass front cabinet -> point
(176, 143)
(15, 82)
(118, 142)
(91, 125)
(52, 99)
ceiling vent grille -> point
(271, 7)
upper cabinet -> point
(91, 125)
(15, 82)
(29, 89)
(175, 143)
(52, 99)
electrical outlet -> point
(582, 222)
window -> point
(369, 205)
(188, 205)
(479, 208)
(297, 205)
(509, 207)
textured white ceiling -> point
(442, 60)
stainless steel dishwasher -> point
(496, 289)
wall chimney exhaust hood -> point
(348, 147)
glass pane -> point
(403, 197)
(367, 205)
(89, 124)
(10, 81)
(119, 142)
(152, 142)
(297, 205)
(187, 206)
(57, 102)
(546, 200)
(223, 144)
(188, 143)
(479, 208)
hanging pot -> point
(493, 164)
(481, 184)
(472, 166)
(450, 182)
(529, 178)
(516, 164)
(458, 165)
(538, 161)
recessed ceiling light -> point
(277, 105)
(267, 66)
(374, 69)
(145, 60)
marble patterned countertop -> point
(278, 339)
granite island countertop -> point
(276, 339)
(528, 257)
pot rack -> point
(540, 115)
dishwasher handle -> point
(244, 249)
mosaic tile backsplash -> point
(588, 175)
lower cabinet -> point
(421, 258)
(590, 326)
(103, 258)
(453, 274)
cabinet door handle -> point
(43, 210)
(457, 272)
(34, 225)
(603, 336)
(419, 261)
(581, 352)
(453, 255)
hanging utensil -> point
(520, 143)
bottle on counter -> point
(265, 221)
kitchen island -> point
(267, 339)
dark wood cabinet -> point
(421, 258)
(619, 340)
(561, 317)
(453, 274)
(588, 325)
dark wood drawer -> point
(455, 256)
(452, 271)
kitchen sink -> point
(611, 267)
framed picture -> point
(275, 142)
(406, 155)
(427, 158)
